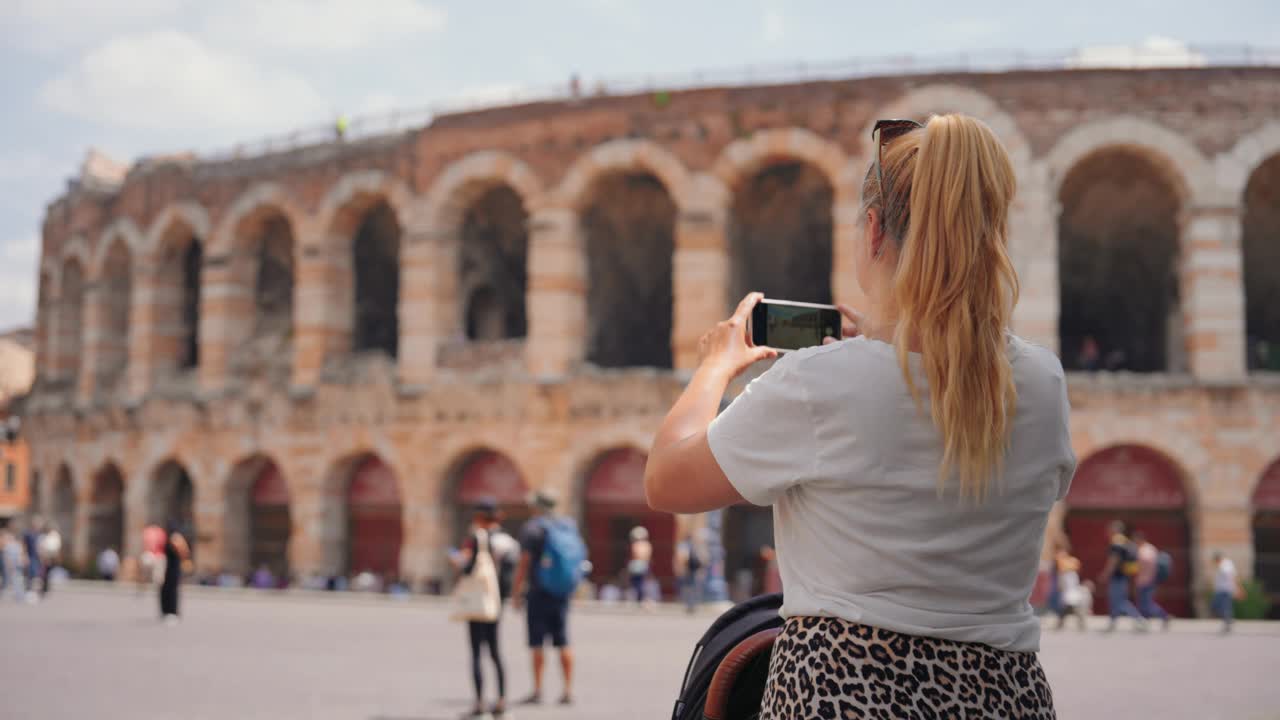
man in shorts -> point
(547, 614)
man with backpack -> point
(551, 563)
(1153, 569)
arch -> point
(743, 158)
(69, 324)
(465, 180)
(919, 103)
(485, 473)
(1266, 533)
(114, 298)
(1147, 489)
(234, 230)
(258, 522)
(1236, 166)
(121, 230)
(172, 219)
(170, 498)
(106, 510)
(493, 265)
(1120, 290)
(362, 523)
(354, 194)
(628, 226)
(1184, 167)
(613, 504)
(1260, 248)
(62, 502)
(78, 251)
(625, 156)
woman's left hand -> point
(727, 348)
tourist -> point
(1226, 590)
(108, 564)
(912, 466)
(1117, 574)
(176, 553)
(486, 536)
(151, 559)
(1075, 598)
(551, 562)
(50, 548)
(31, 549)
(688, 566)
(263, 578)
(11, 551)
(638, 565)
(1151, 572)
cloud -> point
(322, 25)
(168, 79)
(772, 26)
(51, 25)
(18, 280)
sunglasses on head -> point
(884, 132)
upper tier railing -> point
(1143, 57)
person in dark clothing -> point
(176, 552)
(505, 551)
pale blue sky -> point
(135, 77)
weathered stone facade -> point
(130, 377)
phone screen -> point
(787, 326)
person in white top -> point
(1226, 590)
(912, 465)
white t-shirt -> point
(1224, 580)
(832, 439)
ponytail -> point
(955, 287)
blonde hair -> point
(950, 186)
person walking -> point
(486, 536)
(688, 566)
(1117, 574)
(911, 466)
(151, 560)
(1152, 570)
(11, 550)
(31, 548)
(639, 564)
(1226, 590)
(50, 556)
(176, 552)
(108, 564)
(551, 567)
(1075, 598)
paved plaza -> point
(100, 654)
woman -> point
(486, 535)
(176, 552)
(911, 467)
(638, 565)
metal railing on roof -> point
(386, 123)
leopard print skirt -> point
(830, 668)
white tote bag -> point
(475, 597)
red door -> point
(1266, 535)
(614, 505)
(491, 475)
(1143, 488)
(374, 529)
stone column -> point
(700, 277)
(428, 304)
(76, 538)
(1033, 246)
(846, 219)
(322, 313)
(1212, 292)
(91, 345)
(209, 511)
(226, 311)
(556, 299)
(146, 342)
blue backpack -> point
(1164, 566)
(563, 557)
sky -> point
(139, 77)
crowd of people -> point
(30, 560)
(1134, 570)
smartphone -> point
(788, 325)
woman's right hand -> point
(852, 326)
